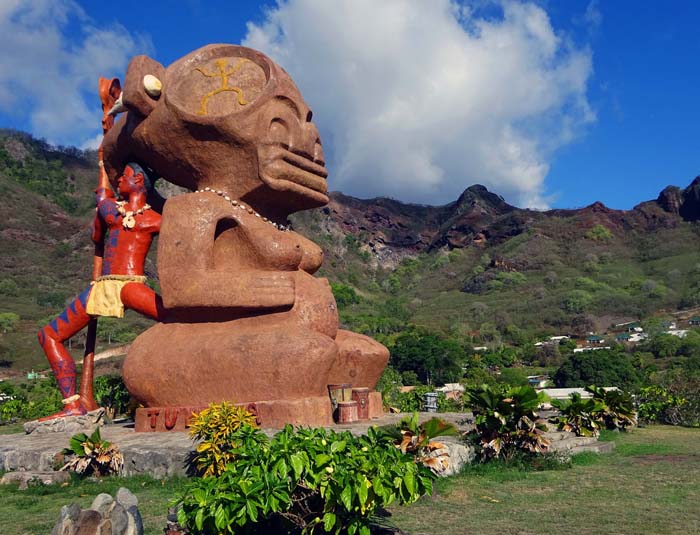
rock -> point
(690, 209)
(64, 527)
(135, 524)
(670, 199)
(102, 504)
(88, 522)
(460, 455)
(106, 516)
(69, 424)
(457, 453)
(126, 498)
(71, 511)
(120, 519)
(69, 514)
(44, 478)
(105, 528)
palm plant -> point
(506, 421)
(416, 439)
(578, 415)
(619, 410)
(92, 455)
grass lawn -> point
(650, 484)
(35, 511)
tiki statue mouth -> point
(285, 170)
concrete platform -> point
(165, 454)
(158, 454)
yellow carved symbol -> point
(223, 74)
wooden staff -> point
(109, 90)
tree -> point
(8, 321)
(577, 301)
(432, 358)
(664, 345)
(581, 325)
(111, 393)
(601, 368)
(115, 330)
(344, 295)
(8, 287)
(599, 233)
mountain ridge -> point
(472, 266)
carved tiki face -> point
(227, 117)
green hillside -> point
(507, 276)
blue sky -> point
(548, 103)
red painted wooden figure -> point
(131, 225)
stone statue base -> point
(85, 423)
(312, 411)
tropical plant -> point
(578, 415)
(618, 407)
(611, 409)
(506, 421)
(417, 439)
(215, 427)
(92, 455)
(308, 480)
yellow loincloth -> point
(105, 296)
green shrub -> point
(599, 233)
(577, 301)
(683, 384)
(111, 393)
(414, 400)
(8, 321)
(303, 480)
(43, 403)
(389, 385)
(344, 295)
(8, 287)
(506, 421)
(214, 427)
(656, 404)
(12, 409)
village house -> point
(594, 339)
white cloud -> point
(52, 55)
(92, 143)
(419, 99)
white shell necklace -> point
(128, 216)
(240, 206)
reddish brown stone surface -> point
(313, 411)
(246, 320)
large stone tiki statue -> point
(245, 319)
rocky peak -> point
(478, 196)
(690, 209)
(670, 199)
